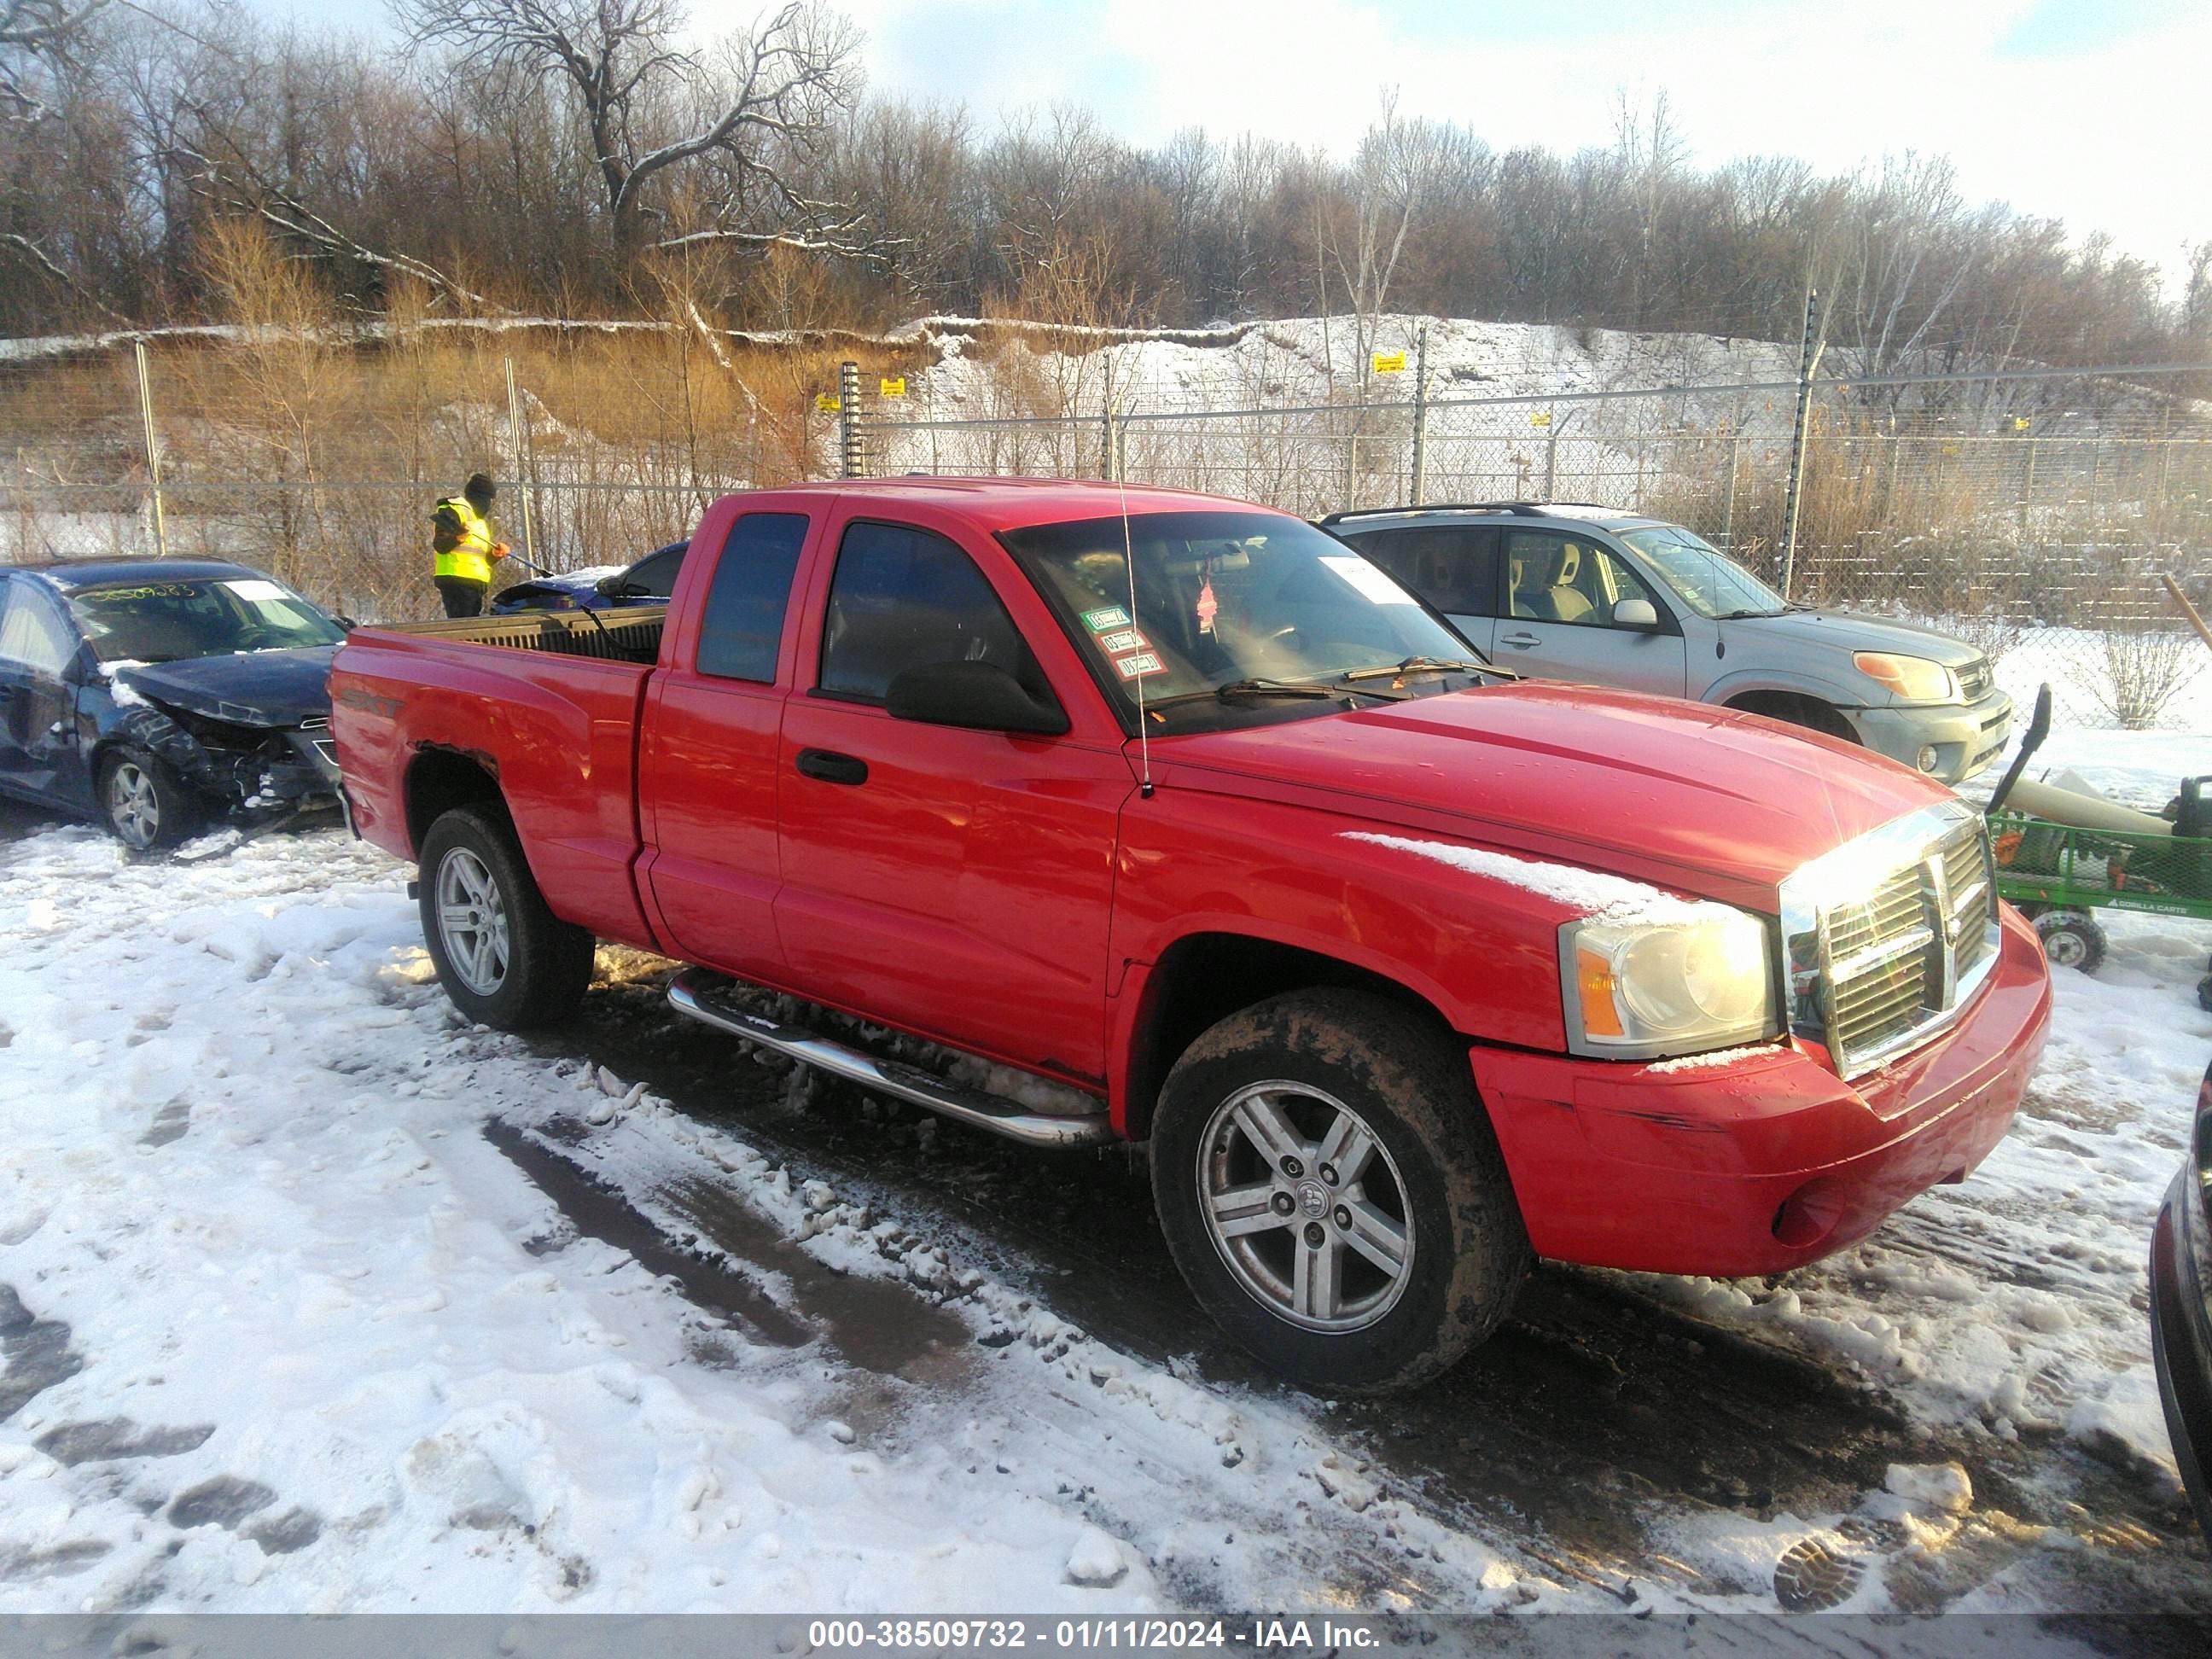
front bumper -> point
(1966, 739)
(2181, 1330)
(1764, 1162)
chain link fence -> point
(2004, 508)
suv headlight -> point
(1915, 679)
(1643, 990)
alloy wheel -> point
(1306, 1206)
(134, 805)
(472, 921)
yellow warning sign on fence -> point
(893, 386)
(2019, 422)
(1389, 362)
(1541, 417)
(826, 402)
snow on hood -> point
(275, 689)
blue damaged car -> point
(160, 697)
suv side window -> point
(1564, 579)
(1453, 567)
(742, 628)
(903, 598)
(33, 634)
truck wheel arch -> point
(1202, 978)
(439, 779)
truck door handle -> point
(831, 767)
(1523, 640)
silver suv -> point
(1575, 593)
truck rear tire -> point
(1331, 1190)
(505, 960)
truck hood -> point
(275, 689)
(1843, 632)
(1611, 780)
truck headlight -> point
(1641, 990)
(1915, 679)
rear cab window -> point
(741, 629)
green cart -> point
(2061, 876)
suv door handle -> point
(831, 767)
(1523, 641)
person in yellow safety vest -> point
(464, 548)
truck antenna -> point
(1129, 564)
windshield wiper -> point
(1739, 616)
(1418, 665)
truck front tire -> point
(1330, 1188)
(505, 960)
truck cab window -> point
(742, 628)
(903, 598)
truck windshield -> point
(1231, 607)
(1705, 578)
(203, 616)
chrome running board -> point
(692, 993)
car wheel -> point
(2071, 939)
(145, 803)
(505, 960)
(1332, 1193)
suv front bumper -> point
(1966, 739)
(1764, 1160)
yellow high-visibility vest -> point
(471, 560)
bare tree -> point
(654, 108)
(36, 37)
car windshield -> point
(1227, 606)
(200, 616)
(1706, 580)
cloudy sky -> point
(2094, 112)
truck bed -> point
(549, 704)
(631, 636)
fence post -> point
(153, 451)
(521, 467)
(1728, 502)
(1808, 359)
(1420, 480)
(2027, 488)
(848, 419)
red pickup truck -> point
(1196, 828)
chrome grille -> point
(1974, 680)
(1890, 934)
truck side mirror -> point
(1635, 613)
(981, 696)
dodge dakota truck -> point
(1196, 827)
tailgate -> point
(542, 708)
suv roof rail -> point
(1518, 509)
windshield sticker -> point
(256, 592)
(1131, 668)
(1127, 639)
(1106, 617)
(1372, 583)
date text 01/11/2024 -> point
(1064, 1635)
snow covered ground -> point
(317, 1299)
